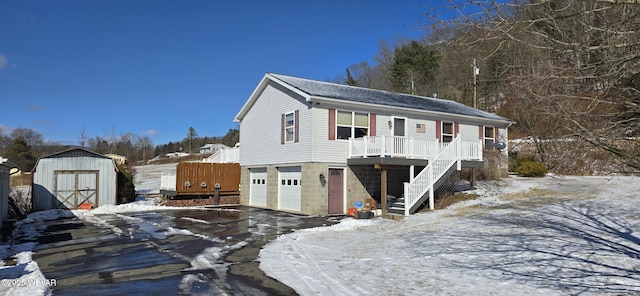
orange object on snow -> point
(352, 212)
(86, 206)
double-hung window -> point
(352, 124)
(447, 132)
(489, 136)
(289, 127)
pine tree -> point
(20, 154)
(350, 80)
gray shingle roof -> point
(379, 97)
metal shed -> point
(5, 169)
(73, 177)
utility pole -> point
(476, 71)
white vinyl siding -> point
(323, 149)
(261, 129)
(429, 129)
(469, 132)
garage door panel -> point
(258, 187)
(290, 189)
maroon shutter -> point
(495, 134)
(282, 131)
(481, 132)
(332, 124)
(372, 124)
(297, 125)
(456, 129)
(439, 130)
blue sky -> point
(155, 68)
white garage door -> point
(290, 188)
(258, 188)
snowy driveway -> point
(162, 251)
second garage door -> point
(290, 188)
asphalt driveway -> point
(166, 252)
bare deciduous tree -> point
(569, 68)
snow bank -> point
(551, 236)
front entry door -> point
(399, 129)
(336, 191)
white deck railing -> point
(394, 146)
(424, 182)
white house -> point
(212, 148)
(315, 147)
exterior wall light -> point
(323, 179)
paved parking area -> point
(167, 252)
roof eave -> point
(258, 91)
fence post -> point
(350, 147)
(459, 152)
(406, 195)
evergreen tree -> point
(350, 80)
(126, 189)
(414, 68)
(20, 154)
(231, 138)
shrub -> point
(126, 189)
(530, 168)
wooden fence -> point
(200, 178)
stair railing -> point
(426, 179)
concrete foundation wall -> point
(314, 194)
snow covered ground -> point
(556, 236)
(550, 236)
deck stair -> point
(423, 186)
(397, 207)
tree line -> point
(23, 146)
(567, 71)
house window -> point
(447, 132)
(289, 127)
(352, 125)
(421, 128)
(489, 136)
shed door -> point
(258, 187)
(72, 188)
(290, 189)
(336, 191)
